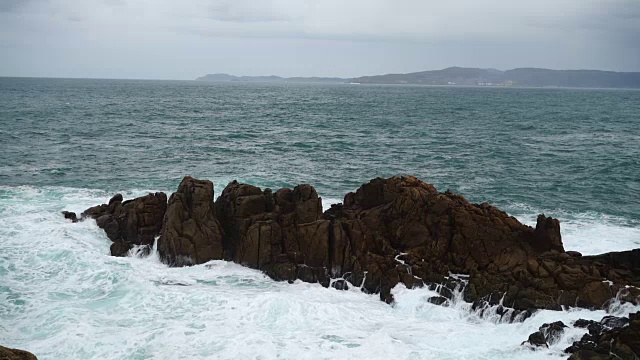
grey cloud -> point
(9, 5)
(235, 12)
(13, 5)
(171, 39)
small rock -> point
(536, 339)
(547, 334)
(439, 300)
(120, 249)
(340, 285)
(70, 215)
(116, 197)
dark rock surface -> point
(281, 233)
(15, 354)
(120, 248)
(136, 221)
(611, 338)
(70, 215)
(438, 300)
(190, 232)
(390, 231)
(547, 334)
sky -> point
(162, 39)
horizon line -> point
(296, 76)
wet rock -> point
(553, 331)
(389, 231)
(70, 215)
(190, 232)
(611, 338)
(547, 334)
(340, 285)
(15, 354)
(613, 322)
(120, 248)
(537, 339)
(438, 300)
(137, 221)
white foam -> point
(63, 297)
(327, 202)
(593, 234)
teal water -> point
(576, 150)
(70, 144)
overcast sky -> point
(162, 39)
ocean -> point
(68, 144)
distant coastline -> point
(453, 76)
(271, 78)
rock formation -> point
(282, 234)
(190, 232)
(390, 231)
(15, 354)
(129, 223)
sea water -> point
(70, 144)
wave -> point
(63, 296)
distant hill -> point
(516, 77)
(272, 78)
(533, 77)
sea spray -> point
(63, 296)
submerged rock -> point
(15, 354)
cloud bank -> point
(184, 39)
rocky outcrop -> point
(281, 233)
(131, 222)
(389, 231)
(15, 354)
(190, 232)
(401, 230)
(436, 234)
(611, 338)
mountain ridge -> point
(527, 77)
(469, 76)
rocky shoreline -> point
(389, 231)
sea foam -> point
(63, 297)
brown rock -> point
(15, 354)
(132, 222)
(136, 221)
(190, 232)
(613, 338)
(120, 248)
(388, 231)
(546, 236)
(263, 229)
